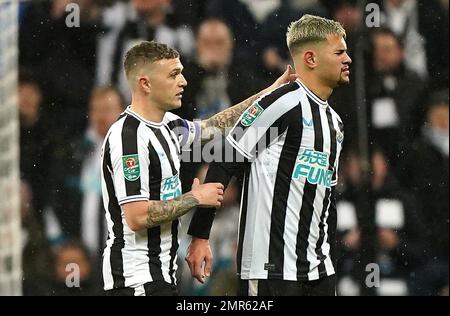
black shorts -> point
(156, 288)
(322, 287)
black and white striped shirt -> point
(140, 162)
(288, 211)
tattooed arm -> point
(228, 117)
(147, 214)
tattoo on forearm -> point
(226, 118)
(160, 212)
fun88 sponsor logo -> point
(170, 188)
(313, 165)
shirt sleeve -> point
(186, 131)
(222, 172)
(266, 119)
(129, 162)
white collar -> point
(312, 95)
(129, 111)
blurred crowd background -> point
(72, 88)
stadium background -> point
(393, 190)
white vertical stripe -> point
(115, 145)
(166, 244)
(257, 228)
(107, 275)
(252, 287)
(294, 204)
(172, 148)
(139, 291)
(176, 140)
(247, 245)
(143, 133)
(129, 254)
(325, 245)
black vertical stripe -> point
(162, 140)
(176, 124)
(286, 164)
(243, 219)
(116, 259)
(326, 201)
(309, 194)
(319, 252)
(154, 234)
(173, 250)
(174, 142)
(130, 147)
(154, 250)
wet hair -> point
(311, 29)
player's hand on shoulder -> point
(289, 75)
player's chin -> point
(176, 105)
(345, 79)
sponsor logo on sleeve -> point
(131, 168)
(251, 114)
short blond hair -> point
(311, 29)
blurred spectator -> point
(64, 58)
(36, 254)
(275, 54)
(423, 27)
(215, 79)
(36, 146)
(78, 201)
(189, 12)
(72, 272)
(399, 229)
(350, 15)
(394, 95)
(426, 172)
(236, 14)
(126, 24)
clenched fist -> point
(209, 194)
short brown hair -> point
(310, 29)
(147, 53)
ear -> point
(144, 83)
(310, 59)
